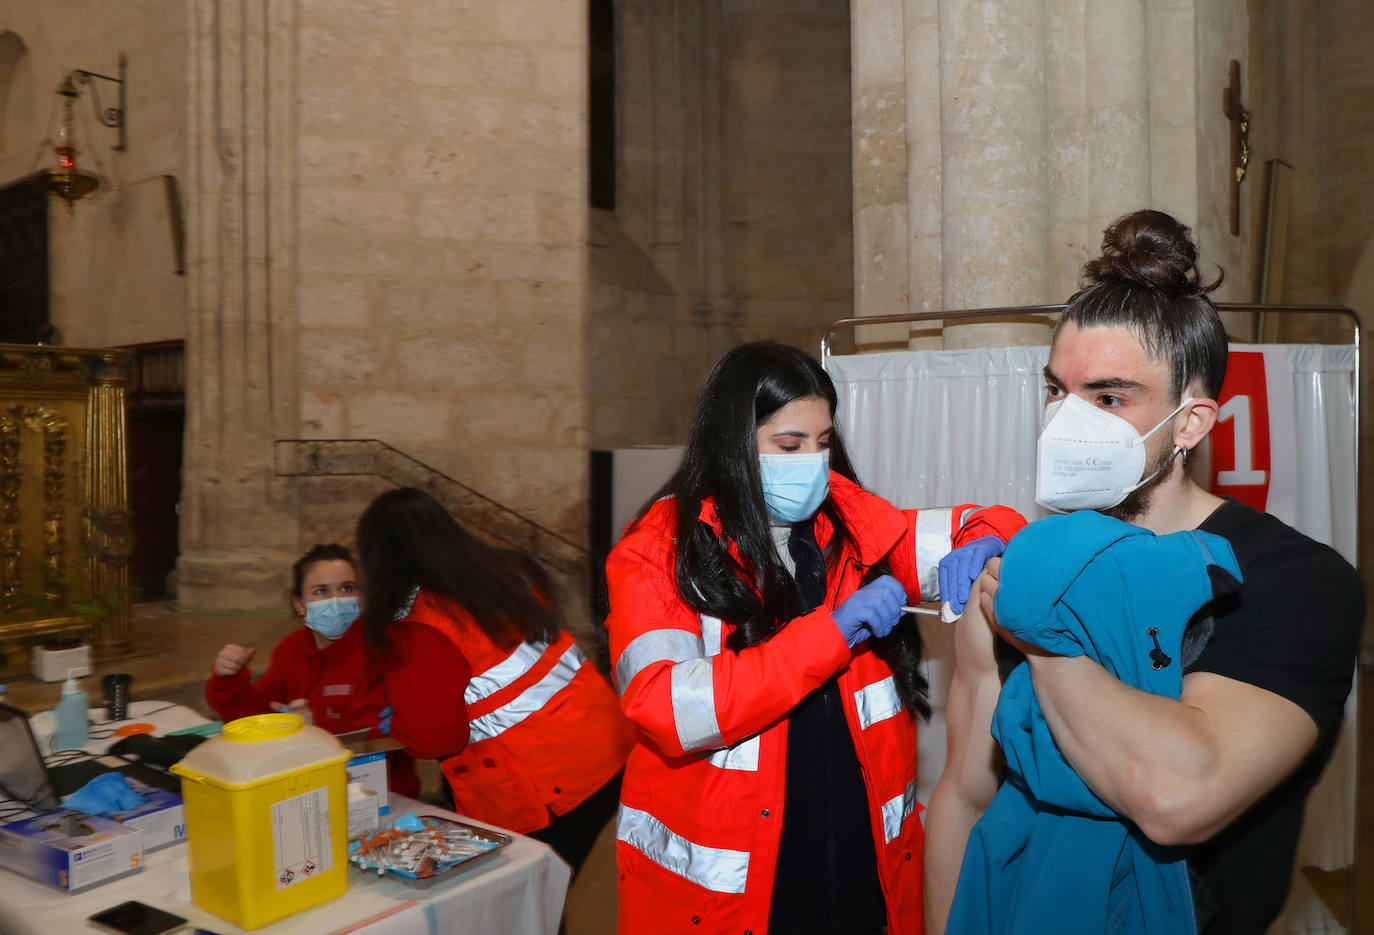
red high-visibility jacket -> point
(544, 728)
(343, 692)
(703, 798)
(338, 681)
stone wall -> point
(638, 379)
(442, 214)
(113, 273)
(388, 242)
(787, 210)
(388, 234)
(993, 142)
(1221, 30)
(732, 219)
(1310, 90)
(386, 228)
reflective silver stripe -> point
(877, 702)
(710, 634)
(714, 868)
(528, 701)
(691, 687)
(505, 672)
(654, 646)
(743, 756)
(694, 705)
(896, 810)
(933, 542)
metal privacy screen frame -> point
(1364, 394)
(1363, 406)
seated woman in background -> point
(320, 671)
(480, 673)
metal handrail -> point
(1254, 308)
(355, 457)
(1003, 311)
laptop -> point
(26, 780)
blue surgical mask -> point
(332, 616)
(794, 486)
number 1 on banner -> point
(1244, 475)
(1242, 453)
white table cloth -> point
(520, 891)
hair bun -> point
(1151, 249)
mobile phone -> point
(136, 918)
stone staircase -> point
(352, 457)
(566, 561)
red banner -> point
(1241, 461)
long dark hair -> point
(756, 593)
(406, 539)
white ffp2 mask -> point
(1089, 459)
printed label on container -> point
(300, 837)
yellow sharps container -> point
(266, 819)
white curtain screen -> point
(931, 428)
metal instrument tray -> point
(497, 839)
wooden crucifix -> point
(1240, 140)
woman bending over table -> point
(481, 675)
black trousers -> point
(573, 834)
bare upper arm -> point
(972, 770)
(973, 759)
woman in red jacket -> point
(481, 675)
(320, 671)
(759, 645)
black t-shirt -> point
(1293, 628)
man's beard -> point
(1138, 501)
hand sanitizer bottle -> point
(71, 715)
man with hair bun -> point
(1223, 771)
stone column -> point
(995, 165)
(924, 169)
(1097, 89)
(1054, 117)
(238, 520)
(1117, 106)
(879, 128)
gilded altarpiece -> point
(64, 520)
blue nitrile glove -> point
(961, 567)
(384, 721)
(109, 792)
(873, 610)
(408, 822)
